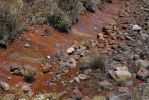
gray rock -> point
(46, 68)
(106, 85)
(123, 89)
(69, 63)
(119, 57)
(136, 27)
(143, 74)
(145, 37)
(4, 86)
(123, 75)
(26, 88)
(89, 6)
(70, 50)
(142, 91)
(76, 95)
(114, 97)
(80, 52)
(122, 96)
(15, 69)
(142, 63)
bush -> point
(94, 60)
(28, 74)
(60, 20)
(73, 8)
(10, 24)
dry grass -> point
(94, 60)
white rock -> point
(83, 76)
(48, 57)
(77, 79)
(123, 74)
(124, 68)
(27, 45)
(136, 28)
(70, 50)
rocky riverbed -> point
(104, 57)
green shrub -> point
(60, 20)
(10, 23)
(29, 74)
(73, 8)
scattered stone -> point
(123, 75)
(87, 71)
(113, 97)
(106, 85)
(70, 50)
(89, 7)
(86, 98)
(46, 68)
(4, 86)
(77, 79)
(124, 68)
(27, 45)
(136, 28)
(122, 96)
(83, 76)
(86, 44)
(95, 28)
(64, 83)
(26, 88)
(49, 57)
(112, 74)
(15, 69)
(145, 37)
(71, 63)
(76, 95)
(108, 29)
(9, 97)
(143, 74)
(123, 89)
(142, 63)
(142, 91)
(100, 38)
(9, 78)
(129, 38)
(80, 52)
(119, 57)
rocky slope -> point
(104, 57)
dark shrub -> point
(89, 5)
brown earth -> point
(41, 46)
